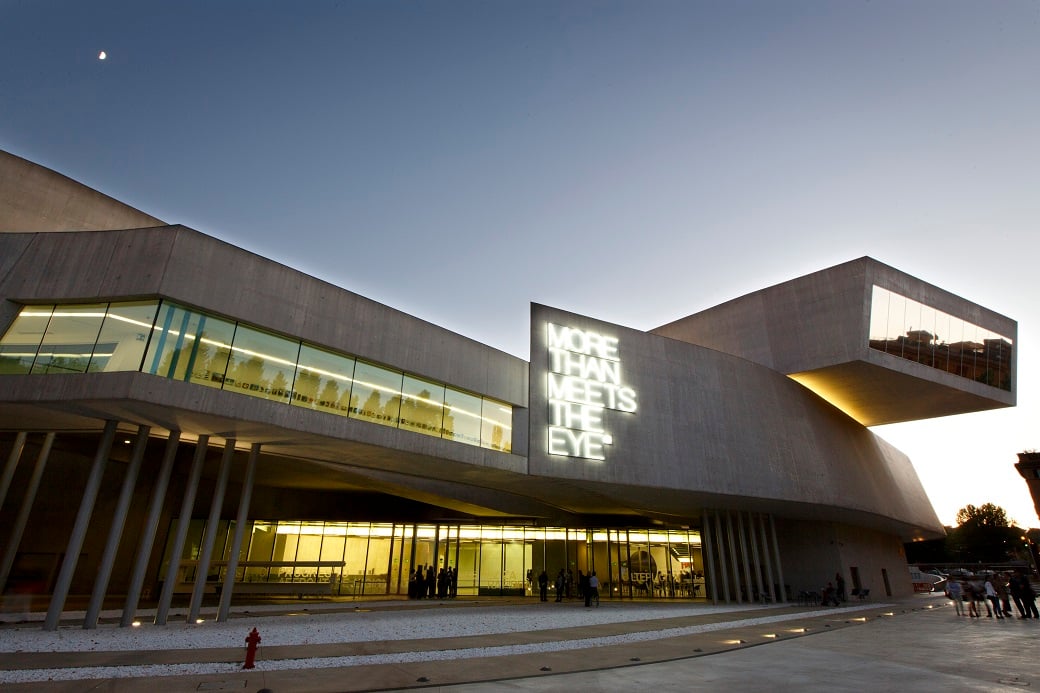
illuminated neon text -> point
(584, 382)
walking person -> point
(560, 580)
(543, 586)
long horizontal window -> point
(171, 341)
(903, 327)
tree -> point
(983, 535)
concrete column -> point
(776, 557)
(755, 559)
(79, 529)
(12, 464)
(708, 554)
(187, 504)
(722, 557)
(144, 548)
(767, 561)
(744, 557)
(115, 532)
(210, 537)
(240, 529)
(734, 565)
(18, 529)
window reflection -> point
(461, 416)
(21, 342)
(174, 342)
(124, 335)
(262, 364)
(376, 396)
(908, 329)
(70, 339)
(422, 406)
(323, 380)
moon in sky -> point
(102, 55)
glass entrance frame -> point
(364, 558)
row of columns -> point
(741, 551)
(149, 529)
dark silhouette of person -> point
(839, 581)
(560, 579)
(543, 586)
(431, 582)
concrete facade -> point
(712, 431)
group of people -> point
(995, 592)
(427, 583)
(588, 586)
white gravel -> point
(362, 625)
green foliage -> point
(983, 534)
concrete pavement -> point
(916, 644)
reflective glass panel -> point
(190, 346)
(70, 339)
(461, 416)
(931, 337)
(323, 380)
(376, 396)
(124, 336)
(261, 364)
(422, 406)
(496, 425)
(22, 340)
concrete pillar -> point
(773, 587)
(210, 536)
(734, 565)
(151, 525)
(776, 557)
(708, 554)
(741, 535)
(79, 529)
(720, 543)
(240, 528)
(115, 532)
(18, 529)
(187, 504)
(12, 464)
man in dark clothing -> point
(543, 586)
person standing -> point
(954, 591)
(543, 586)
(993, 597)
(839, 581)
(593, 591)
(1027, 595)
(561, 578)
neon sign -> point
(584, 382)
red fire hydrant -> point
(252, 640)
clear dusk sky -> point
(631, 161)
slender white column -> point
(18, 529)
(776, 557)
(144, 548)
(773, 587)
(240, 529)
(732, 546)
(115, 532)
(722, 556)
(205, 555)
(708, 555)
(187, 504)
(79, 529)
(12, 464)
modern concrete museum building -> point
(182, 416)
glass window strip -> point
(482, 421)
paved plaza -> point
(918, 644)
